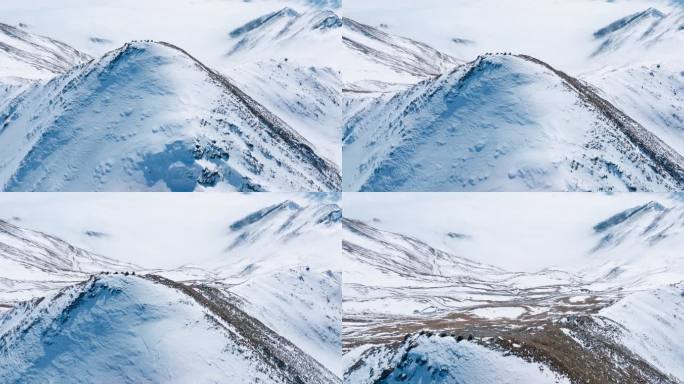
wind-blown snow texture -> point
(609, 125)
(131, 328)
(283, 116)
(150, 117)
(278, 321)
(29, 56)
(543, 130)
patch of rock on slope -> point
(146, 329)
(428, 358)
(116, 124)
(573, 349)
(503, 122)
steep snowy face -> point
(150, 117)
(652, 93)
(114, 328)
(29, 56)
(33, 263)
(301, 37)
(623, 239)
(307, 98)
(377, 59)
(284, 233)
(368, 59)
(650, 322)
(299, 82)
(649, 34)
(502, 123)
(308, 313)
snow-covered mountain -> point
(29, 56)
(503, 122)
(636, 67)
(284, 88)
(278, 321)
(308, 98)
(283, 29)
(644, 35)
(149, 116)
(33, 263)
(368, 59)
(378, 60)
(651, 93)
(146, 329)
(278, 237)
(415, 312)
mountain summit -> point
(503, 122)
(149, 116)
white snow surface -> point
(122, 328)
(28, 56)
(307, 93)
(499, 123)
(141, 229)
(652, 323)
(627, 50)
(308, 312)
(515, 231)
(466, 28)
(652, 93)
(289, 241)
(150, 117)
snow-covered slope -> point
(149, 116)
(368, 59)
(636, 67)
(646, 35)
(376, 58)
(308, 313)
(623, 239)
(29, 56)
(652, 323)
(652, 93)
(306, 97)
(292, 285)
(114, 328)
(304, 37)
(279, 236)
(432, 359)
(281, 261)
(503, 122)
(33, 263)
